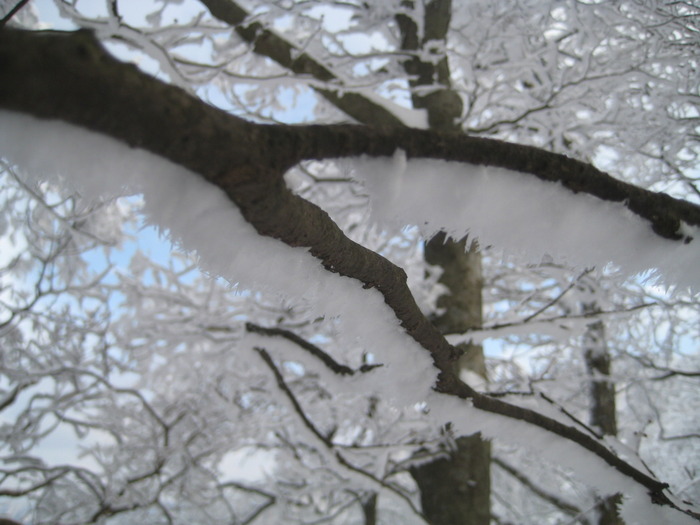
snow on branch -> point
(266, 42)
(527, 215)
(69, 77)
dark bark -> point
(369, 508)
(454, 490)
(603, 407)
(68, 76)
(608, 511)
(602, 387)
(664, 213)
(443, 104)
(267, 43)
(462, 306)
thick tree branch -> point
(664, 213)
(68, 76)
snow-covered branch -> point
(269, 44)
(96, 91)
(69, 77)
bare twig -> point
(553, 499)
(558, 297)
(12, 12)
(322, 438)
(311, 348)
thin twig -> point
(558, 297)
(555, 500)
(12, 12)
(325, 440)
(312, 349)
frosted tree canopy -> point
(222, 185)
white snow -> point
(509, 209)
(198, 217)
(637, 507)
(413, 118)
(522, 215)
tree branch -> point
(69, 76)
(269, 44)
(553, 499)
(324, 439)
(314, 350)
(12, 12)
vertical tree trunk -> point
(369, 508)
(454, 490)
(601, 386)
(602, 391)
(457, 490)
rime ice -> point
(521, 214)
(200, 218)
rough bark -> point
(457, 491)
(608, 513)
(68, 76)
(369, 508)
(462, 306)
(454, 490)
(443, 104)
(602, 387)
(603, 408)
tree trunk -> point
(369, 508)
(457, 490)
(601, 387)
(602, 391)
(454, 491)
